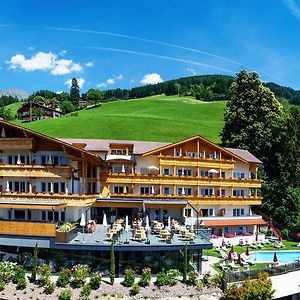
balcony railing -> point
(20, 228)
(35, 171)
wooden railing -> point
(27, 228)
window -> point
(214, 156)
(184, 172)
(43, 186)
(62, 216)
(210, 211)
(43, 215)
(16, 186)
(52, 217)
(192, 154)
(29, 214)
(62, 187)
(178, 153)
(238, 175)
(188, 212)
(238, 193)
(166, 171)
(145, 190)
(223, 174)
(118, 189)
(19, 214)
(202, 155)
(10, 160)
(56, 187)
(204, 173)
(238, 212)
(223, 193)
(207, 192)
(166, 191)
(9, 215)
(63, 161)
(187, 191)
(55, 160)
(43, 160)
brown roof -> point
(27, 106)
(245, 154)
(99, 145)
(236, 222)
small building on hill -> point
(34, 111)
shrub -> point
(162, 279)
(7, 271)
(2, 286)
(67, 226)
(135, 289)
(65, 294)
(129, 277)
(285, 233)
(49, 288)
(85, 291)
(95, 280)
(21, 284)
(146, 277)
(172, 276)
(206, 279)
(19, 274)
(44, 273)
(80, 273)
(192, 277)
(64, 277)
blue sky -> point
(109, 44)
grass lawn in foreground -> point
(157, 118)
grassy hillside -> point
(14, 107)
(157, 118)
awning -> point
(32, 205)
(233, 222)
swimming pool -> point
(283, 256)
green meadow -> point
(157, 118)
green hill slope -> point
(14, 107)
(157, 118)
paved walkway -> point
(207, 265)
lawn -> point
(157, 118)
(14, 107)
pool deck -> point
(97, 240)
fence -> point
(230, 277)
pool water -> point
(282, 256)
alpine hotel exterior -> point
(45, 182)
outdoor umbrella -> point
(229, 257)
(123, 169)
(154, 168)
(152, 190)
(213, 171)
(126, 224)
(104, 220)
(239, 260)
(18, 160)
(50, 162)
(169, 223)
(3, 134)
(183, 191)
(275, 259)
(82, 221)
(147, 227)
(7, 186)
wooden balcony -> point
(37, 171)
(69, 200)
(128, 178)
(16, 143)
(197, 200)
(17, 228)
(186, 161)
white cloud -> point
(151, 78)
(110, 81)
(63, 52)
(293, 7)
(31, 48)
(89, 64)
(58, 92)
(44, 61)
(132, 81)
(80, 81)
(192, 71)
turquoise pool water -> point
(283, 256)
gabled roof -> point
(245, 154)
(99, 145)
(32, 133)
(27, 105)
(168, 146)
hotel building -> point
(46, 181)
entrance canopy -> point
(32, 205)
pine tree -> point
(112, 272)
(75, 92)
(34, 263)
(185, 263)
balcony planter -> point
(66, 233)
